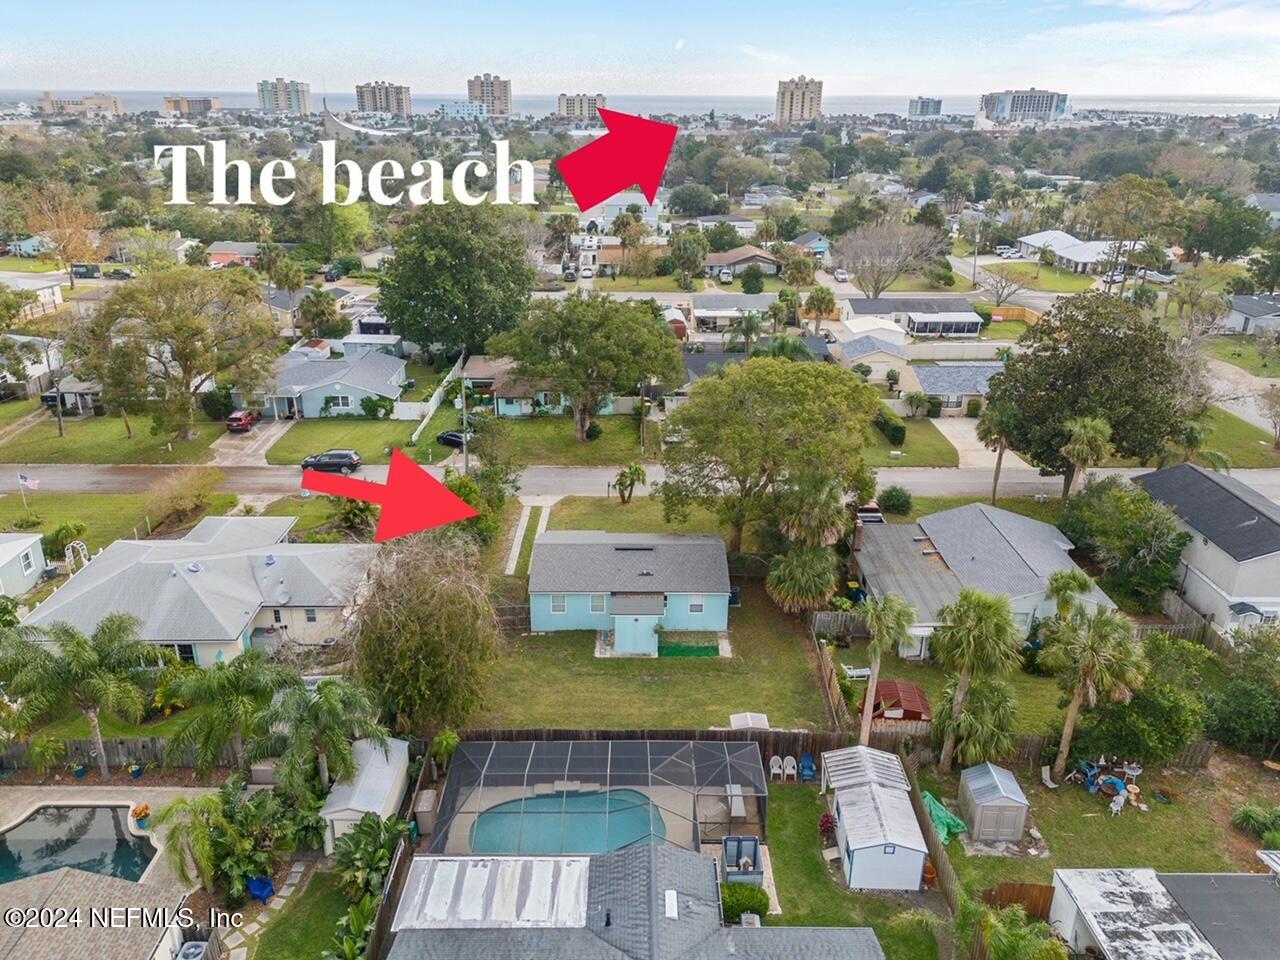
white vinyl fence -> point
(427, 410)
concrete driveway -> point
(249, 449)
(962, 432)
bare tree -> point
(1004, 284)
(877, 255)
(1269, 401)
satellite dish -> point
(194, 566)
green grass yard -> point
(304, 928)
(312, 512)
(91, 439)
(642, 515)
(925, 447)
(1050, 510)
(72, 725)
(1246, 445)
(1004, 330)
(621, 285)
(808, 890)
(551, 440)
(916, 283)
(372, 439)
(1242, 350)
(27, 265)
(15, 410)
(771, 285)
(1050, 279)
(107, 516)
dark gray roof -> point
(696, 364)
(863, 346)
(957, 379)
(1238, 913)
(988, 783)
(286, 300)
(893, 560)
(883, 305)
(1256, 306)
(1236, 518)
(592, 561)
(234, 246)
(1266, 201)
(808, 237)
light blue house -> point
(31, 246)
(628, 584)
(305, 386)
(21, 562)
(495, 380)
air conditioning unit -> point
(195, 950)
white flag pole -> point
(22, 489)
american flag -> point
(31, 483)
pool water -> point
(576, 823)
(96, 839)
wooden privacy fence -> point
(392, 889)
(947, 881)
(829, 680)
(837, 623)
(1035, 898)
(512, 617)
(119, 751)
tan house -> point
(880, 355)
(739, 258)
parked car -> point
(869, 512)
(828, 336)
(1155, 276)
(841, 275)
(4, 249)
(82, 271)
(1115, 276)
(726, 276)
(120, 273)
(1002, 249)
(570, 276)
(454, 438)
(587, 273)
(242, 421)
(1011, 254)
(333, 461)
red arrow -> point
(412, 499)
(634, 151)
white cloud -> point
(680, 44)
(764, 56)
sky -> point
(858, 47)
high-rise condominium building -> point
(94, 103)
(493, 92)
(924, 107)
(378, 96)
(580, 106)
(1027, 107)
(191, 106)
(799, 100)
(284, 96)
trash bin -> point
(424, 811)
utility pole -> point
(466, 455)
(976, 231)
(57, 388)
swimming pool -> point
(579, 823)
(96, 839)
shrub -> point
(740, 898)
(364, 854)
(1253, 820)
(935, 407)
(44, 753)
(216, 403)
(1271, 840)
(55, 541)
(753, 279)
(973, 407)
(891, 425)
(893, 376)
(182, 495)
(846, 688)
(377, 408)
(443, 744)
(27, 521)
(895, 499)
(984, 311)
(594, 430)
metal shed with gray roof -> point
(992, 803)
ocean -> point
(540, 105)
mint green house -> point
(628, 585)
(495, 380)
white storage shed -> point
(992, 803)
(377, 787)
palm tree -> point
(747, 330)
(268, 260)
(1089, 444)
(318, 311)
(983, 728)
(628, 478)
(230, 696)
(979, 638)
(288, 276)
(312, 731)
(1095, 656)
(777, 314)
(1188, 444)
(814, 511)
(1065, 586)
(804, 578)
(888, 621)
(785, 348)
(821, 303)
(190, 824)
(995, 424)
(102, 673)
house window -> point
(28, 564)
(558, 604)
(952, 401)
(340, 402)
(1270, 616)
(696, 601)
(311, 614)
(890, 849)
(597, 603)
(186, 652)
(277, 616)
(1020, 619)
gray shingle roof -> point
(1267, 201)
(592, 561)
(732, 301)
(957, 379)
(1234, 517)
(893, 560)
(374, 371)
(208, 585)
(1238, 913)
(987, 782)
(867, 345)
(1262, 305)
(883, 305)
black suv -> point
(333, 461)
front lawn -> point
(15, 410)
(304, 927)
(313, 512)
(917, 283)
(91, 439)
(27, 265)
(1049, 510)
(369, 438)
(552, 440)
(72, 725)
(1247, 445)
(809, 893)
(642, 515)
(1004, 330)
(1242, 350)
(925, 447)
(557, 681)
(1051, 279)
(771, 285)
(107, 516)
(622, 285)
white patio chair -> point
(790, 769)
(775, 767)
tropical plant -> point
(978, 639)
(888, 621)
(289, 276)
(1064, 586)
(353, 930)
(821, 303)
(803, 578)
(746, 330)
(1095, 656)
(303, 822)
(55, 541)
(189, 824)
(984, 726)
(443, 744)
(994, 425)
(101, 673)
(785, 348)
(363, 855)
(628, 478)
(813, 511)
(312, 732)
(1089, 445)
(355, 516)
(319, 312)
(44, 753)
(1188, 444)
(917, 401)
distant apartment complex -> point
(94, 103)
(1021, 107)
(799, 100)
(191, 106)
(493, 92)
(378, 96)
(580, 106)
(284, 96)
(463, 110)
(924, 107)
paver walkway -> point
(241, 942)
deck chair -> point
(775, 767)
(1046, 779)
(789, 769)
(808, 772)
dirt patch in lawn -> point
(1230, 781)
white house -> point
(1250, 314)
(1074, 254)
(1230, 571)
(1269, 202)
(46, 288)
(745, 226)
(600, 218)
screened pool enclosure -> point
(591, 796)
